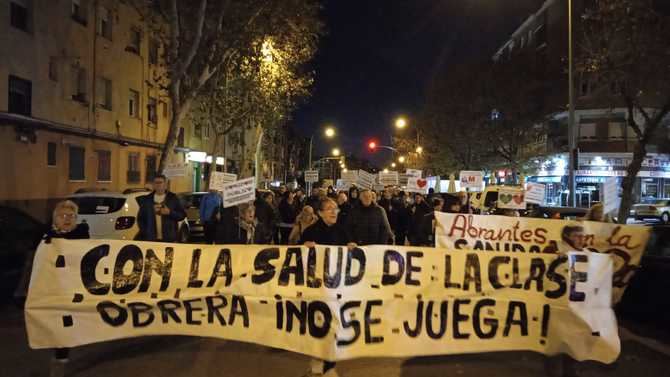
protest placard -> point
(238, 192)
(366, 180)
(389, 178)
(403, 301)
(418, 185)
(350, 177)
(178, 169)
(414, 173)
(511, 198)
(534, 236)
(535, 193)
(611, 199)
(219, 179)
(311, 176)
(471, 179)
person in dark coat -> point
(402, 214)
(419, 210)
(63, 225)
(317, 195)
(267, 216)
(288, 211)
(344, 206)
(246, 228)
(327, 230)
(354, 200)
(367, 223)
(427, 226)
(331, 193)
(159, 214)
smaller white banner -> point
(175, 170)
(535, 193)
(471, 179)
(414, 173)
(418, 185)
(350, 177)
(511, 198)
(389, 178)
(311, 176)
(219, 179)
(366, 180)
(611, 200)
(238, 192)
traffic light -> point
(372, 145)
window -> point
(135, 41)
(19, 14)
(587, 131)
(77, 164)
(79, 11)
(180, 137)
(104, 23)
(53, 69)
(205, 132)
(51, 154)
(79, 84)
(165, 109)
(616, 130)
(151, 110)
(104, 166)
(154, 45)
(197, 130)
(133, 168)
(134, 104)
(151, 169)
(20, 96)
(104, 93)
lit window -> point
(134, 104)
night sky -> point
(379, 55)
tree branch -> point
(195, 44)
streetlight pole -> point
(573, 155)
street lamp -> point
(419, 149)
(386, 170)
(401, 159)
(393, 165)
(329, 132)
(400, 123)
(336, 152)
(573, 151)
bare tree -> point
(626, 46)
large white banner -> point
(530, 236)
(332, 302)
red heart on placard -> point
(421, 183)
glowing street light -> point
(345, 170)
(419, 149)
(329, 132)
(393, 165)
(400, 123)
(386, 170)
(401, 159)
(336, 152)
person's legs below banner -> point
(320, 368)
(560, 366)
(59, 362)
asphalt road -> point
(196, 357)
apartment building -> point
(603, 137)
(80, 104)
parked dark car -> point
(191, 203)
(646, 298)
(19, 236)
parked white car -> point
(658, 209)
(113, 215)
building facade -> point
(80, 104)
(603, 137)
